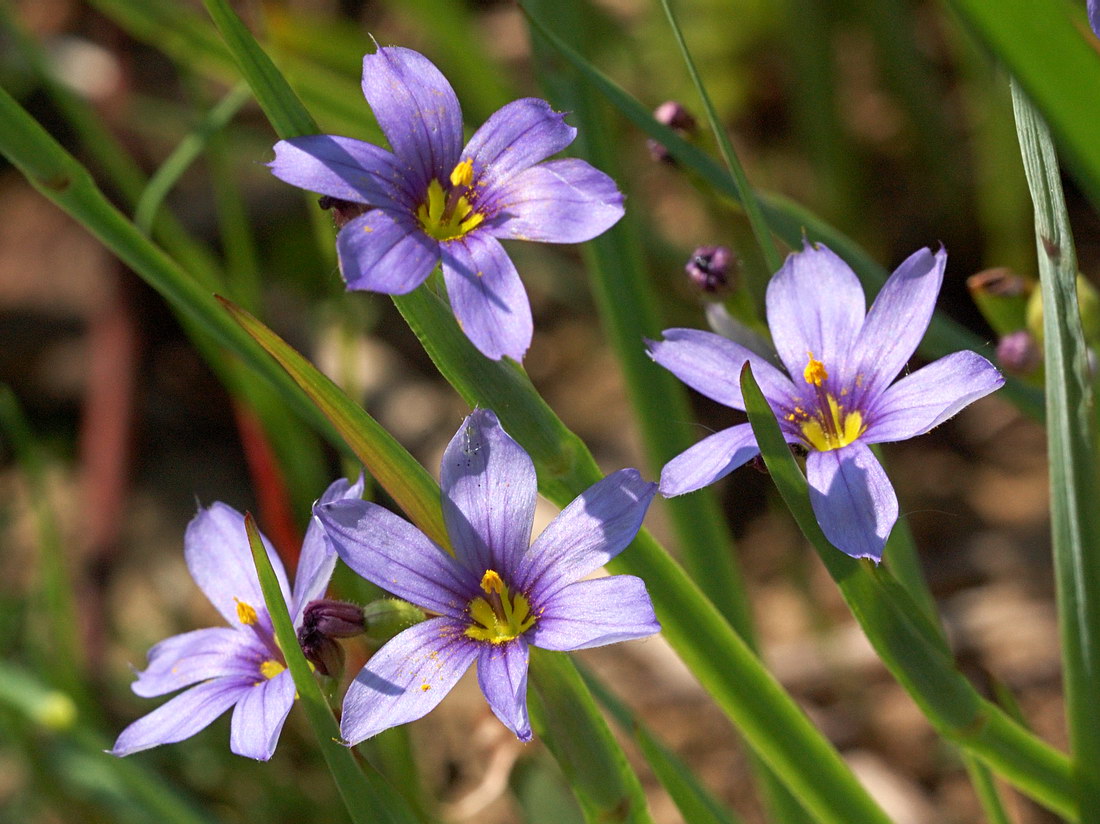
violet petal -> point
(390, 552)
(385, 252)
(562, 201)
(502, 675)
(200, 655)
(592, 530)
(344, 168)
(183, 716)
(407, 678)
(417, 110)
(712, 458)
(489, 491)
(515, 137)
(487, 296)
(931, 395)
(595, 613)
(853, 499)
(259, 716)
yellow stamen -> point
(839, 429)
(501, 616)
(463, 173)
(246, 613)
(269, 669)
(815, 372)
(491, 582)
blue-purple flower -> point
(496, 595)
(841, 395)
(431, 198)
(237, 666)
(1094, 16)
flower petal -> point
(502, 675)
(344, 168)
(259, 715)
(596, 613)
(930, 396)
(712, 458)
(563, 201)
(318, 558)
(385, 252)
(711, 365)
(896, 323)
(200, 655)
(487, 296)
(815, 305)
(216, 549)
(592, 530)
(395, 555)
(489, 491)
(417, 110)
(853, 499)
(516, 137)
(183, 716)
(407, 678)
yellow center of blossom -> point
(830, 427)
(449, 214)
(246, 613)
(269, 669)
(500, 616)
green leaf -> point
(908, 643)
(407, 482)
(368, 797)
(570, 724)
(1075, 524)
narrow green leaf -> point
(368, 797)
(276, 98)
(1075, 523)
(407, 482)
(570, 724)
(908, 643)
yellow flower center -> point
(448, 214)
(830, 426)
(500, 616)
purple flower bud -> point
(1019, 353)
(676, 117)
(710, 268)
(335, 619)
(343, 211)
(321, 651)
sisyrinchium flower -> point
(841, 395)
(237, 666)
(432, 199)
(496, 594)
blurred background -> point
(881, 116)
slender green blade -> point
(407, 482)
(909, 644)
(1075, 524)
(569, 722)
(368, 797)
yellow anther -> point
(463, 174)
(425, 687)
(815, 372)
(269, 669)
(246, 613)
(491, 582)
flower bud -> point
(676, 117)
(711, 268)
(389, 616)
(323, 652)
(343, 211)
(336, 619)
(999, 282)
(1018, 353)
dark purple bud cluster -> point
(710, 268)
(676, 117)
(343, 211)
(322, 622)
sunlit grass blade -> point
(788, 220)
(694, 801)
(567, 719)
(188, 150)
(909, 644)
(745, 194)
(369, 798)
(407, 482)
(1075, 520)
